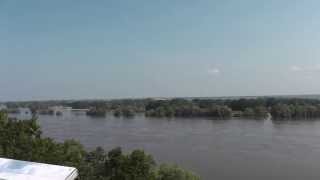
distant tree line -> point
(185, 108)
(97, 112)
(295, 111)
(278, 108)
(23, 140)
(124, 111)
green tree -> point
(167, 172)
(23, 140)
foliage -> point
(306, 111)
(23, 140)
(256, 112)
(124, 111)
(278, 107)
(168, 172)
(185, 108)
(99, 112)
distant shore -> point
(284, 107)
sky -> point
(80, 49)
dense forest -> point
(22, 139)
(185, 108)
(278, 108)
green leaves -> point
(22, 140)
(171, 172)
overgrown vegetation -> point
(185, 108)
(97, 112)
(23, 140)
(279, 108)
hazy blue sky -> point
(143, 48)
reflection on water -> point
(215, 149)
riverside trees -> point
(278, 107)
(23, 140)
(185, 108)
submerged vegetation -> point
(124, 111)
(278, 108)
(184, 108)
(23, 140)
(98, 112)
(294, 111)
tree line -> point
(185, 108)
(277, 107)
(22, 139)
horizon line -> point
(164, 97)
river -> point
(214, 149)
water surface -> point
(215, 149)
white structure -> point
(23, 170)
(3, 107)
